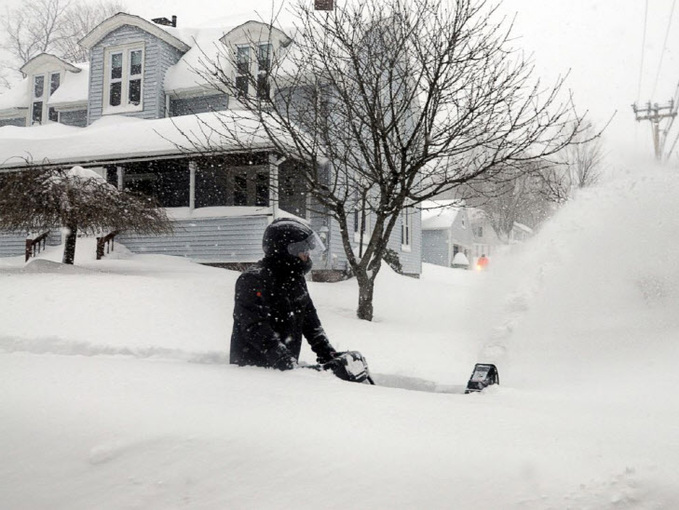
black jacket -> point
(272, 311)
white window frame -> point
(44, 98)
(238, 73)
(124, 80)
(406, 230)
(263, 72)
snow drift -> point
(115, 393)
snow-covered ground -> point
(115, 392)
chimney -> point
(166, 22)
(324, 5)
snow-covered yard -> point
(115, 392)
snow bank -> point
(115, 391)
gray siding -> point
(158, 57)
(12, 245)
(411, 261)
(77, 118)
(202, 104)
(435, 247)
(206, 240)
(19, 121)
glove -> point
(327, 357)
(349, 366)
(279, 357)
(285, 362)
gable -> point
(46, 62)
(255, 31)
(121, 19)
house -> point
(486, 240)
(446, 232)
(141, 113)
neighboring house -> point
(486, 240)
(126, 115)
(446, 231)
(519, 233)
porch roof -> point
(117, 139)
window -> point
(220, 184)
(242, 86)
(124, 79)
(38, 99)
(242, 70)
(240, 189)
(264, 58)
(262, 86)
(39, 110)
(406, 230)
(264, 66)
(262, 189)
(55, 81)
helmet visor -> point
(312, 245)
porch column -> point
(192, 185)
(273, 184)
(121, 177)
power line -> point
(664, 47)
(643, 47)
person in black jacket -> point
(273, 309)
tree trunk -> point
(69, 245)
(366, 287)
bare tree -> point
(392, 102)
(579, 165)
(515, 196)
(52, 26)
(79, 200)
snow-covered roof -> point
(73, 89)
(47, 60)
(206, 49)
(523, 228)
(168, 34)
(15, 101)
(116, 138)
(210, 45)
(440, 214)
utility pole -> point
(656, 113)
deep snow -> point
(115, 392)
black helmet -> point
(289, 237)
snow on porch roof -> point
(117, 139)
(440, 214)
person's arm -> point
(254, 316)
(315, 335)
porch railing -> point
(35, 246)
(106, 244)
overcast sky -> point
(599, 42)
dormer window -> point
(264, 66)
(124, 79)
(264, 58)
(40, 112)
(242, 70)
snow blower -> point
(484, 375)
(350, 366)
